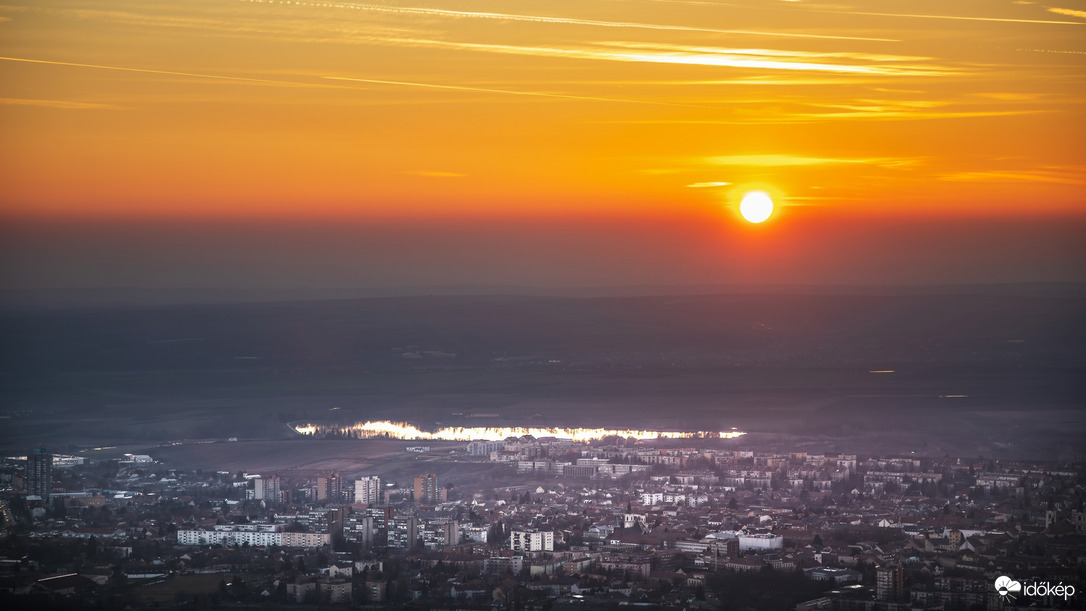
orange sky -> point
(353, 112)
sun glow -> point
(403, 430)
(756, 206)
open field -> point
(182, 588)
(347, 457)
(976, 373)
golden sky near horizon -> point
(251, 108)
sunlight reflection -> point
(403, 430)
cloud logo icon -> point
(1007, 586)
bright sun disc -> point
(756, 206)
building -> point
(305, 539)
(889, 583)
(328, 488)
(39, 473)
(402, 532)
(426, 488)
(252, 534)
(381, 518)
(531, 541)
(760, 542)
(838, 575)
(375, 590)
(484, 447)
(267, 489)
(438, 532)
(367, 490)
(503, 564)
(337, 591)
(358, 528)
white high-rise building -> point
(368, 490)
(531, 541)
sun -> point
(756, 206)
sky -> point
(259, 143)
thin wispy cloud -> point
(58, 104)
(436, 174)
(373, 35)
(760, 52)
(433, 12)
(283, 29)
(716, 57)
(954, 17)
(1013, 177)
(797, 160)
(321, 85)
(1069, 12)
(790, 81)
(899, 115)
(1057, 51)
(708, 185)
(498, 91)
(162, 72)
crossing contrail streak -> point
(433, 12)
(335, 78)
(502, 91)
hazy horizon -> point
(539, 253)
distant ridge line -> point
(52, 298)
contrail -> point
(335, 78)
(149, 71)
(955, 17)
(571, 21)
(505, 91)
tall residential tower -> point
(39, 473)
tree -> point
(92, 548)
(817, 541)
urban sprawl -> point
(572, 525)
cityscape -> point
(546, 305)
(563, 524)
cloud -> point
(906, 115)
(1068, 12)
(436, 174)
(955, 17)
(1022, 176)
(165, 72)
(374, 34)
(61, 104)
(705, 185)
(486, 90)
(433, 12)
(1010, 97)
(794, 160)
(1060, 51)
(701, 56)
